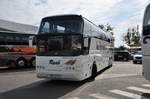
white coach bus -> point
(146, 43)
(70, 47)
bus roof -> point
(62, 15)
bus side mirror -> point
(86, 41)
(31, 39)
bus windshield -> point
(60, 25)
(59, 45)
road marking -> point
(127, 94)
(146, 85)
(100, 96)
(139, 89)
(106, 76)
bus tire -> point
(32, 62)
(21, 62)
(94, 71)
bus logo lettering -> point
(54, 62)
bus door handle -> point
(145, 39)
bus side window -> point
(146, 24)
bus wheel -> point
(94, 71)
(32, 62)
(21, 63)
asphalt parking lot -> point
(122, 81)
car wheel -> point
(21, 63)
(134, 62)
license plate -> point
(54, 76)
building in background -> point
(8, 26)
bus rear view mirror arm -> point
(31, 38)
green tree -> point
(132, 36)
(127, 37)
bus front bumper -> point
(77, 76)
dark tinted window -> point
(92, 30)
(146, 23)
(13, 39)
(146, 30)
(59, 45)
(61, 24)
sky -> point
(121, 14)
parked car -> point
(121, 56)
(137, 57)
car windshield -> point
(139, 52)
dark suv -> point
(121, 56)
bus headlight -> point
(40, 67)
(77, 68)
